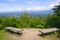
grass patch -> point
(2, 34)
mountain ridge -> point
(33, 13)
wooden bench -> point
(46, 31)
(14, 30)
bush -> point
(24, 21)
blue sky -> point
(20, 5)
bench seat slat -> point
(43, 31)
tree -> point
(54, 21)
(48, 22)
(56, 16)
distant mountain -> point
(32, 13)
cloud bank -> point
(21, 5)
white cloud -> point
(14, 9)
(28, 8)
(32, 8)
(37, 8)
(21, 9)
(58, 0)
(53, 4)
(40, 8)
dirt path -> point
(28, 34)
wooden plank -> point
(15, 30)
(44, 31)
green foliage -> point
(54, 20)
(40, 26)
(49, 21)
(24, 21)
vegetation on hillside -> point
(24, 21)
(28, 21)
